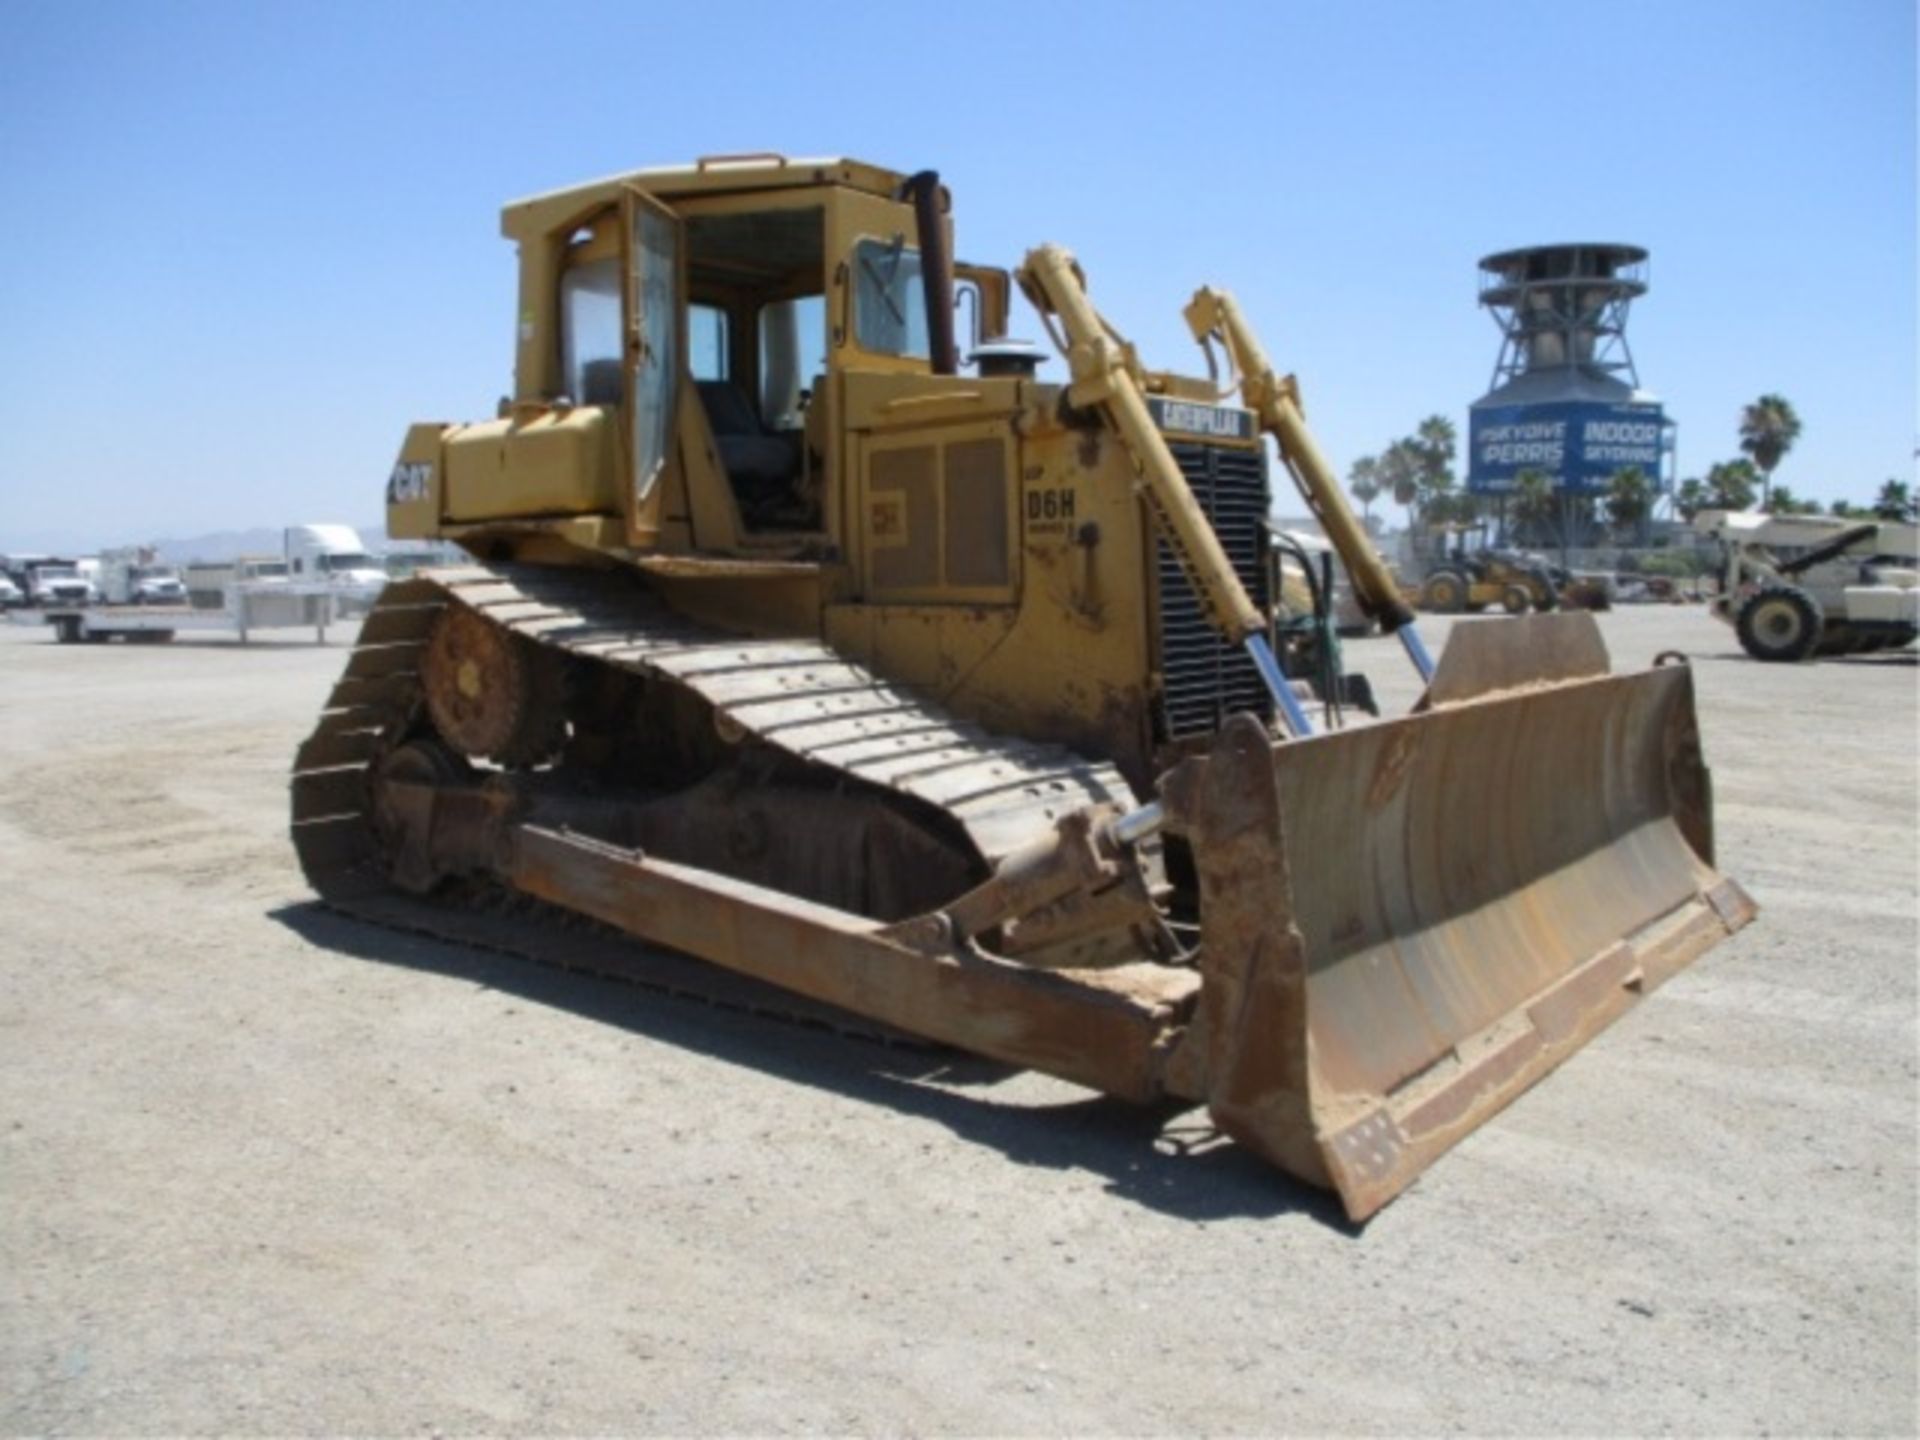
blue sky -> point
(244, 245)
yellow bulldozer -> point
(914, 683)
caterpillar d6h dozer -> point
(947, 698)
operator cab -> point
(754, 331)
(733, 289)
(685, 343)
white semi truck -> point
(334, 555)
(1796, 586)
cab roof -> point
(709, 175)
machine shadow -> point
(1167, 1158)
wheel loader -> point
(927, 688)
(1475, 578)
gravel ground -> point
(266, 1170)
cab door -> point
(655, 280)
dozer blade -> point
(1404, 925)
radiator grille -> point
(1206, 677)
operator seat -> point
(602, 382)
(760, 464)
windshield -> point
(58, 572)
(353, 560)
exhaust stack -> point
(936, 265)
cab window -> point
(590, 331)
(707, 343)
(793, 353)
(889, 299)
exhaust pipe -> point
(936, 267)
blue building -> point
(1566, 400)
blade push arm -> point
(1105, 375)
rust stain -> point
(1390, 772)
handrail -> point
(741, 157)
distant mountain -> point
(219, 545)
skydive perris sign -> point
(1579, 446)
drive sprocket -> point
(492, 694)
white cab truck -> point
(1797, 586)
(134, 575)
(59, 582)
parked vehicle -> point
(59, 582)
(1473, 575)
(208, 580)
(1797, 586)
(134, 576)
(248, 595)
(336, 555)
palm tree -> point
(1399, 472)
(1433, 445)
(1363, 480)
(1895, 501)
(1533, 500)
(1629, 497)
(1785, 502)
(1690, 498)
(1730, 485)
(1437, 440)
(1768, 428)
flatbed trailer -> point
(248, 607)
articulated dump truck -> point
(946, 695)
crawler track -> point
(796, 695)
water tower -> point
(1566, 400)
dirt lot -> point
(265, 1169)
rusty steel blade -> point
(1407, 924)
